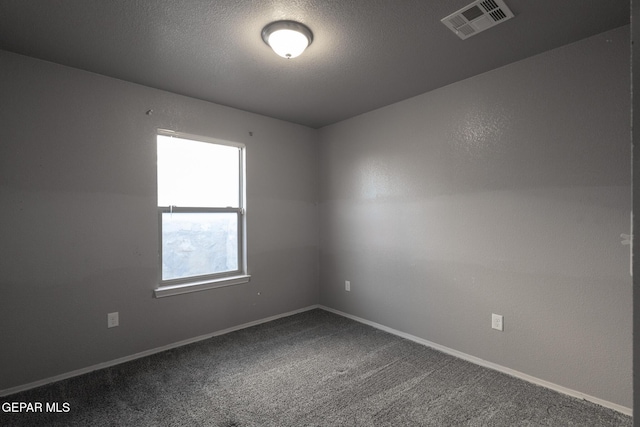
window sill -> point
(185, 288)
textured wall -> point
(79, 232)
(504, 193)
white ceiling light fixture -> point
(287, 38)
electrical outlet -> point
(113, 320)
(496, 322)
(347, 286)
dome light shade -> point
(287, 38)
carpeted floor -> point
(311, 369)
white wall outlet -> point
(496, 322)
(113, 320)
(347, 286)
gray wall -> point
(504, 193)
(79, 233)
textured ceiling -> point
(366, 53)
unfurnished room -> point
(318, 213)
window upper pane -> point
(197, 174)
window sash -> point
(206, 277)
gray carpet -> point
(311, 369)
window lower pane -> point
(197, 244)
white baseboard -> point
(145, 353)
(490, 365)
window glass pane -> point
(196, 244)
(197, 174)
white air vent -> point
(477, 17)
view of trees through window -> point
(198, 244)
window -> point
(200, 213)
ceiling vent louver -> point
(477, 17)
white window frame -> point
(217, 280)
